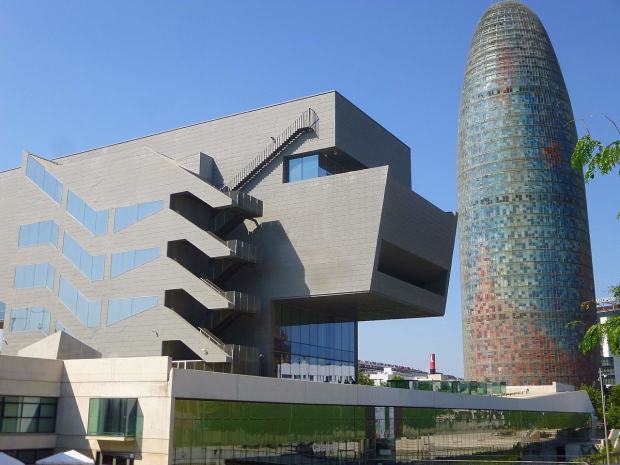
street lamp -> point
(600, 379)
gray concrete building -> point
(252, 243)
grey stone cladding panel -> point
(370, 143)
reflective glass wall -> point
(214, 432)
(309, 348)
(526, 265)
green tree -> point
(363, 378)
(596, 157)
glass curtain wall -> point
(309, 348)
(214, 432)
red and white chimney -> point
(432, 369)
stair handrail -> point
(307, 121)
(212, 338)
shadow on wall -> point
(277, 162)
(279, 273)
(70, 424)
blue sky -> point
(75, 75)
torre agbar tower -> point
(525, 246)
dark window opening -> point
(405, 266)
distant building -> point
(610, 364)
(380, 373)
(526, 262)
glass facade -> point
(34, 276)
(525, 248)
(122, 262)
(30, 319)
(44, 179)
(311, 349)
(126, 216)
(95, 221)
(306, 167)
(87, 311)
(44, 232)
(121, 309)
(27, 414)
(91, 266)
(219, 432)
(112, 417)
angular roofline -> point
(333, 91)
(198, 123)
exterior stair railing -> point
(306, 122)
(213, 339)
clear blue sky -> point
(75, 75)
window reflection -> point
(90, 265)
(30, 319)
(45, 180)
(43, 232)
(87, 311)
(122, 262)
(95, 221)
(34, 276)
(306, 167)
(121, 309)
(220, 432)
(310, 349)
(126, 216)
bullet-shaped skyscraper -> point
(526, 264)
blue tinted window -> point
(149, 208)
(96, 222)
(30, 319)
(120, 309)
(91, 266)
(125, 261)
(126, 216)
(42, 178)
(295, 169)
(310, 167)
(88, 312)
(307, 167)
(44, 232)
(39, 275)
(2, 310)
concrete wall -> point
(142, 378)
(217, 386)
(22, 376)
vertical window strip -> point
(30, 319)
(87, 311)
(34, 276)
(95, 221)
(91, 266)
(44, 232)
(44, 179)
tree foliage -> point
(596, 157)
(364, 379)
(612, 403)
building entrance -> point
(113, 458)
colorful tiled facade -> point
(525, 248)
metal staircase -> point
(307, 122)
